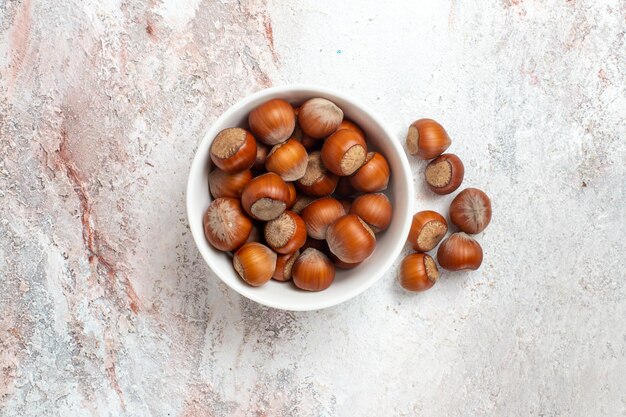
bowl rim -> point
(199, 161)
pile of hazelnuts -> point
(470, 212)
(297, 195)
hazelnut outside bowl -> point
(348, 283)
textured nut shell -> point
(427, 229)
(470, 210)
(233, 150)
(317, 180)
(319, 117)
(226, 226)
(373, 176)
(344, 152)
(444, 174)
(351, 239)
(289, 160)
(418, 272)
(286, 233)
(273, 121)
(350, 125)
(284, 264)
(255, 263)
(313, 271)
(301, 202)
(320, 214)
(374, 209)
(269, 187)
(427, 139)
(222, 184)
(460, 252)
(293, 195)
(261, 154)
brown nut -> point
(288, 159)
(470, 210)
(460, 252)
(351, 239)
(317, 180)
(344, 152)
(222, 184)
(261, 155)
(226, 226)
(444, 174)
(233, 150)
(286, 233)
(301, 202)
(320, 214)
(319, 117)
(273, 121)
(293, 195)
(255, 263)
(350, 125)
(427, 139)
(373, 176)
(418, 272)
(313, 271)
(265, 197)
(374, 209)
(427, 230)
(284, 264)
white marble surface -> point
(106, 308)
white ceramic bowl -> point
(348, 283)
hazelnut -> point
(293, 195)
(427, 230)
(261, 154)
(265, 197)
(427, 139)
(460, 252)
(226, 226)
(374, 209)
(317, 180)
(418, 272)
(313, 271)
(222, 184)
(284, 264)
(344, 152)
(470, 210)
(320, 214)
(273, 121)
(301, 202)
(351, 239)
(255, 263)
(350, 125)
(319, 117)
(444, 174)
(286, 233)
(373, 176)
(233, 150)
(289, 160)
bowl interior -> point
(348, 283)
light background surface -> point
(106, 308)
